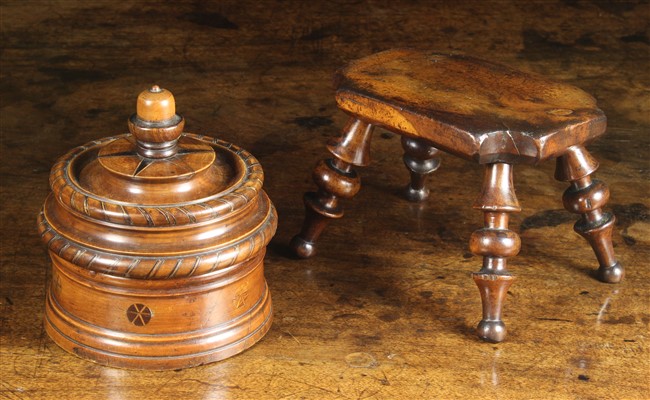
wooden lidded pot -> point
(157, 240)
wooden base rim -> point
(231, 338)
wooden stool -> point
(476, 110)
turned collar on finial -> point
(155, 124)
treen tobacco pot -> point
(157, 240)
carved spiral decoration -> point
(77, 200)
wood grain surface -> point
(387, 310)
(468, 106)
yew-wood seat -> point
(469, 107)
(477, 110)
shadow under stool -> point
(479, 111)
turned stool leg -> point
(495, 242)
(421, 159)
(335, 179)
(587, 197)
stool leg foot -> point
(318, 213)
(335, 179)
(495, 242)
(421, 159)
(493, 290)
(587, 197)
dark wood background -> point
(388, 307)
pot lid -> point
(156, 176)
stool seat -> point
(469, 107)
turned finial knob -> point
(156, 105)
(155, 124)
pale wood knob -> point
(156, 105)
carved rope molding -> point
(77, 200)
(158, 267)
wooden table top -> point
(387, 309)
